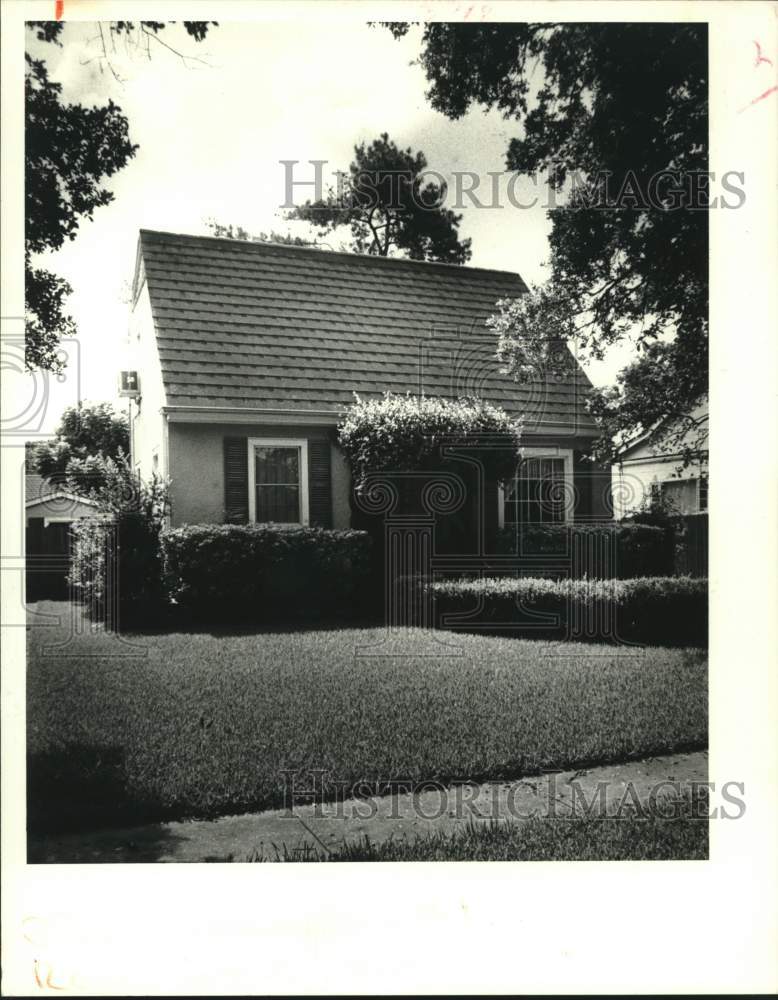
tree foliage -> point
(231, 231)
(618, 106)
(85, 437)
(391, 205)
(70, 150)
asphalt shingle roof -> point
(258, 325)
(36, 487)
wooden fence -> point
(691, 545)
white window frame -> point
(300, 443)
(566, 454)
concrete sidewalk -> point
(324, 828)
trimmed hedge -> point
(619, 549)
(262, 572)
(659, 611)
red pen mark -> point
(59, 9)
(46, 982)
(759, 57)
(770, 90)
(756, 100)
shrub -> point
(256, 572)
(405, 433)
(116, 560)
(670, 611)
(618, 549)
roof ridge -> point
(265, 244)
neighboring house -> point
(248, 354)
(50, 511)
(650, 465)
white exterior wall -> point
(59, 509)
(632, 481)
(148, 426)
(644, 465)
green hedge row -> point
(258, 572)
(616, 549)
(663, 611)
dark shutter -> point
(236, 480)
(319, 484)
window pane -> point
(278, 503)
(278, 465)
(277, 479)
(681, 495)
(703, 495)
(532, 498)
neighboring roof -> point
(250, 325)
(651, 434)
(38, 489)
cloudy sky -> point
(212, 130)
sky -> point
(212, 131)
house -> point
(652, 464)
(50, 511)
(248, 353)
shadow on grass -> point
(177, 620)
(82, 787)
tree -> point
(620, 121)
(69, 150)
(234, 232)
(87, 435)
(390, 206)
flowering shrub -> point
(116, 560)
(405, 433)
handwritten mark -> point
(770, 90)
(59, 9)
(46, 981)
(765, 93)
(759, 57)
(37, 934)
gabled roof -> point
(653, 433)
(248, 326)
(39, 489)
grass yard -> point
(205, 725)
(538, 839)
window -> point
(702, 495)
(537, 494)
(680, 495)
(278, 481)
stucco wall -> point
(196, 463)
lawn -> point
(206, 724)
(651, 838)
